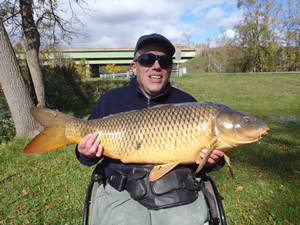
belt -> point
(178, 187)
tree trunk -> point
(32, 50)
(15, 89)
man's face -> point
(151, 79)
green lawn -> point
(49, 188)
(261, 94)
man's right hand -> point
(90, 146)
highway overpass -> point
(95, 57)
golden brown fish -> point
(164, 135)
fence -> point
(114, 75)
(178, 72)
(212, 63)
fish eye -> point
(247, 119)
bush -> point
(81, 69)
(62, 86)
(93, 89)
(7, 128)
(111, 68)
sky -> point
(119, 23)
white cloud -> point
(230, 33)
(232, 19)
(225, 37)
(215, 13)
(119, 23)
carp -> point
(165, 135)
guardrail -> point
(114, 75)
(128, 74)
(180, 71)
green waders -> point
(118, 208)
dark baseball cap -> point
(155, 38)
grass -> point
(41, 189)
(261, 94)
(266, 188)
(49, 188)
(195, 65)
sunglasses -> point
(148, 59)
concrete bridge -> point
(95, 57)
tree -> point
(291, 35)
(82, 69)
(32, 50)
(14, 88)
(256, 34)
(228, 53)
(33, 19)
(112, 68)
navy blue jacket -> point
(132, 98)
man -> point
(117, 202)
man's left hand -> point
(214, 157)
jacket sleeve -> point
(213, 168)
(84, 160)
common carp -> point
(164, 135)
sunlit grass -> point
(45, 188)
(49, 188)
(262, 94)
(266, 188)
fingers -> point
(99, 150)
(214, 157)
(90, 146)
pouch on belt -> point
(178, 187)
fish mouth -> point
(264, 133)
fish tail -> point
(53, 136)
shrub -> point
(81, 69)
(93, 89)
(112, 68)
(62, 86)
(7, 128)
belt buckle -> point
(117, 180)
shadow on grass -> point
(277, 153)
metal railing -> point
(114, 75)
(128, 74)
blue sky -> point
(119, 23)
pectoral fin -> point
(212, 147)
(227, 160)
(160, 170)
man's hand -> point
(214, 157)
(90, 146)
